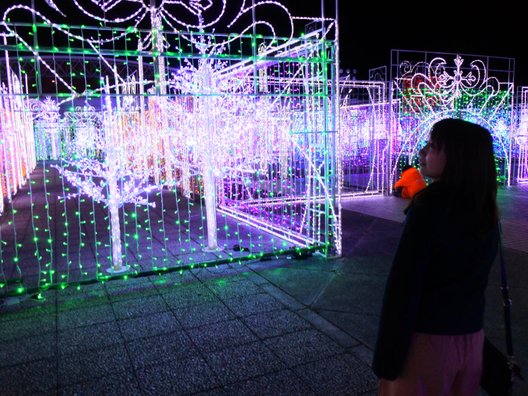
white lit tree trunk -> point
(208, 177)
(113, 212)
(209, 186)
(186, 178)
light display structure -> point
(159, 149)
(430, 86)
(520, 165)
(364, 137)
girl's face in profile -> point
(432, 160)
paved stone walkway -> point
(276, 327)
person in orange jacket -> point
(410, 182)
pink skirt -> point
(439, 365)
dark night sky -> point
(370, 29)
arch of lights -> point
(130, 150)
(429, 86)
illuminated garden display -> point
(152, 142)
(178, 134)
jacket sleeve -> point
(402, 295)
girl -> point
(430, 337)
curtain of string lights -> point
(128, 151)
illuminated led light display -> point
(153, 142)
(363, 137)
(461, 87)
(164, 147)
(521, 140)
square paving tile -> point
(221, 335)
(283, 382)
(253, 303)
(243, 362)
(302, 347)
(92, 364)
(161, 348)
(124, 309)
(81, 339)
(148, 325)
(275, 323)
(85, 316)
(32, 378)
(198, 315)
(177, 377)
(341, 374)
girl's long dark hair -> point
(470, 174)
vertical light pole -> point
(35, 46)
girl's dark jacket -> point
(437, 281)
